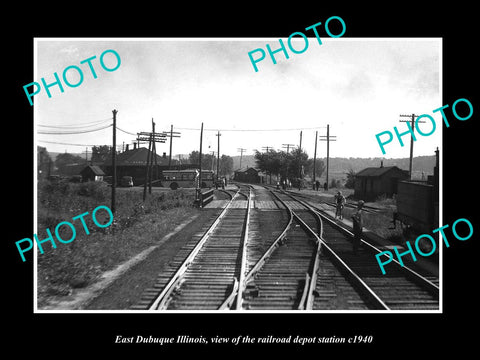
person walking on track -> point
(340, 203)
(357, 218)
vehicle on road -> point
(189, 178)
(126, 181)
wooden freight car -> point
(417, 205)
(418, 202)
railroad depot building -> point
(372, 182)
(248, 175)
(133, 163)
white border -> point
(253, 312)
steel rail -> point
(306, 301)
(239, 284)
(162, 298)
(411, 274)
(241, 280)
(370, 296)
(259, 264)
(432, 288)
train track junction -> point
(269, 250)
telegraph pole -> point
(114, 161)
(328, 138)
(287, 146)
(241, 155)
(171, 136)
(213, 160)
(152, 138)
(266, 149)
(200, 166)
(153, 156)
(218, 153)
(147, 168)
(315, 158)
(413, 116)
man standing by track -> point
(340, 203)
(357, 218)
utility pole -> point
(147, 168)
(218, 153)
(199, 190)
(114, 161)
(171, 136)
(267, 149)
(153, 156)
(328, 138)
(413, 116)
(242, 150)
(152, 138)
(213, 160)
(287, 146)
(315, 158)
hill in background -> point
(338, 167)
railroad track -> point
(305, 262)
(399, 289)
(205, 274)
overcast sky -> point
(358, 86)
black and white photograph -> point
(234, 179)
(252, 190)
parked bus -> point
(186, 178)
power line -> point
(68, 126)
(62, 143)
(126, 132)
(252, 130)
(72, 132)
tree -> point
(65, 159)
(350, 184)
(319, 167)
(298, 164)
(287, 165)
(44, 162)
(208, 160)
(226, 165)
(100, 153)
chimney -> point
(134, 146)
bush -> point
(95, 189)
(335, 183)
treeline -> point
(47, 166)
(291, 165)
(209, 162)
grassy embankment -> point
(137, 225)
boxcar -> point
(417, 205)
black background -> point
(65, 335)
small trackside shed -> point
(92, 173)
(248, 175)
(372, 182)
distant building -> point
(92, 173)
(372, 182)
(248, 175)
(133, 163)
